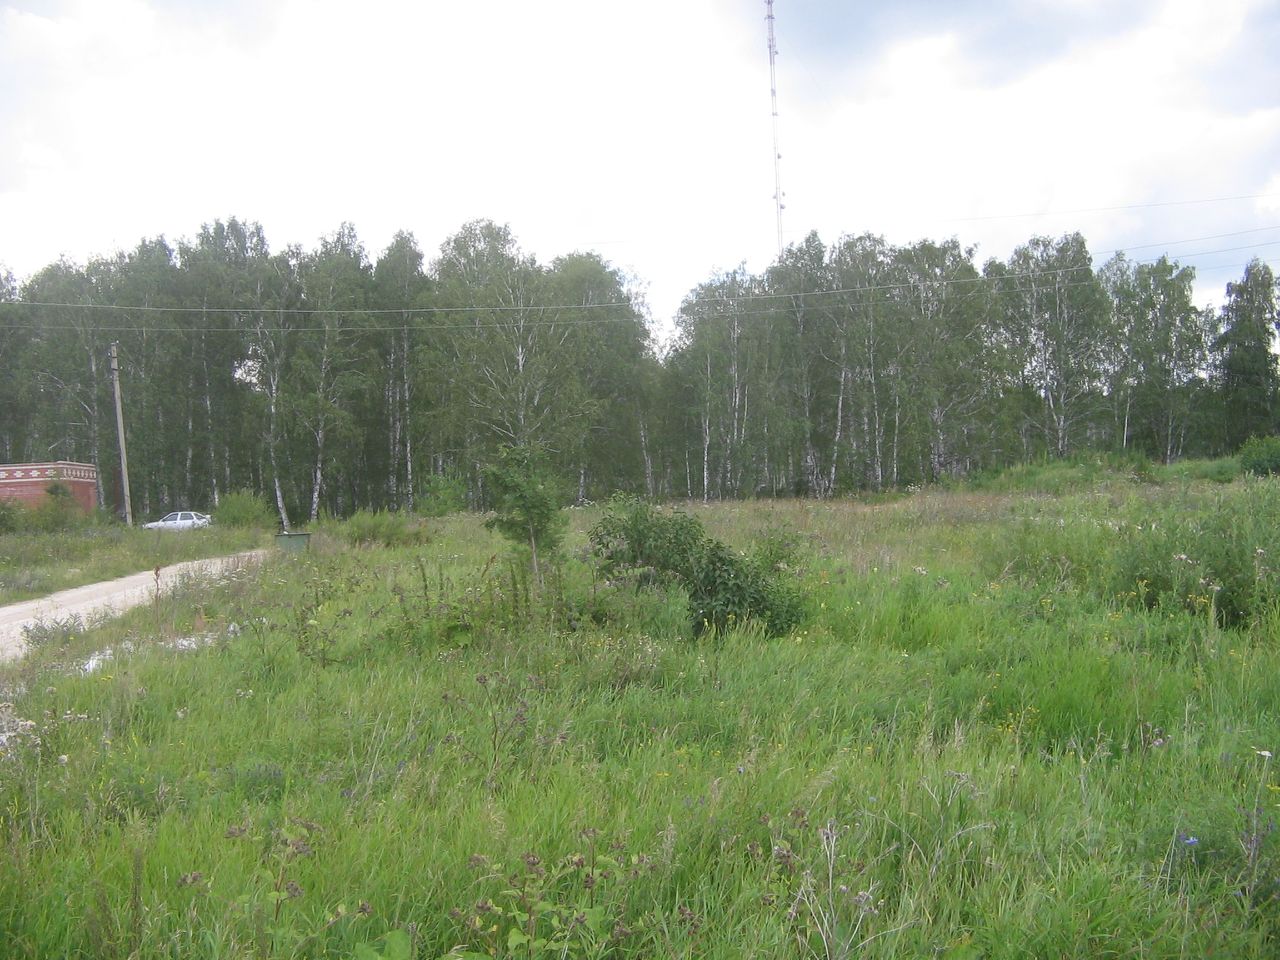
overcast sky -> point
(642, 130)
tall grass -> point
(35, 564)
(971, 748)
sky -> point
(643, 131)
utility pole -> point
(779, 206)
(124, 458)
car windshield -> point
(168, 517)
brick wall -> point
(27, 483)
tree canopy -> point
(329, 381)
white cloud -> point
(642, 130)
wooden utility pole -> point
(124, 457)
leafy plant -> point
(57, 511)
(526, 502)
(10, 516)
(243, 508)
(441, 494)
(725, 588)
(551, 908)
(1260, 456)
(380, 527)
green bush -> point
(526, 502)
(10, 517)
(1260, 456)
(725, 588)
(59, 510)
(244, 509)
(369, 527)
(441, 494)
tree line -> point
(327, 381)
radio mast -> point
(773, 91)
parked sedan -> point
(182, 520)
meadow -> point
(36, 565)
(1033, 716)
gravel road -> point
(108, 599)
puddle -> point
(98, 659)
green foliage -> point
(1260, 456)
(441, 494)
(378, 527)
(57, 511)
(636, 539)
(1248, 373)
(755, 397)
(10, 516)
(33, 564)
(890, 781)
(1208, 553)
(1221, 470)
(526, 501)
(725, 588)
(244, 509)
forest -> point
(328, 381)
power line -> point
(844, 293)
(1123, 206)
(1165, 243)
(566, 307)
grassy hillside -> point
(1012, 725)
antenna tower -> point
(773, 91)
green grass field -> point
(1014, 724)
(36, 565)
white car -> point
(182, 520)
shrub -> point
(526, 501)
(637, 540)
(10, 516)
(724, 588)
(1260, 456)
(57, 511)
(366, 527)
(244, 509)
(441, 494)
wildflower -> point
(1265, 754)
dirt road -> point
(107, 599)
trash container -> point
(292, 542)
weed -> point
(53, 632)
(725, 589)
